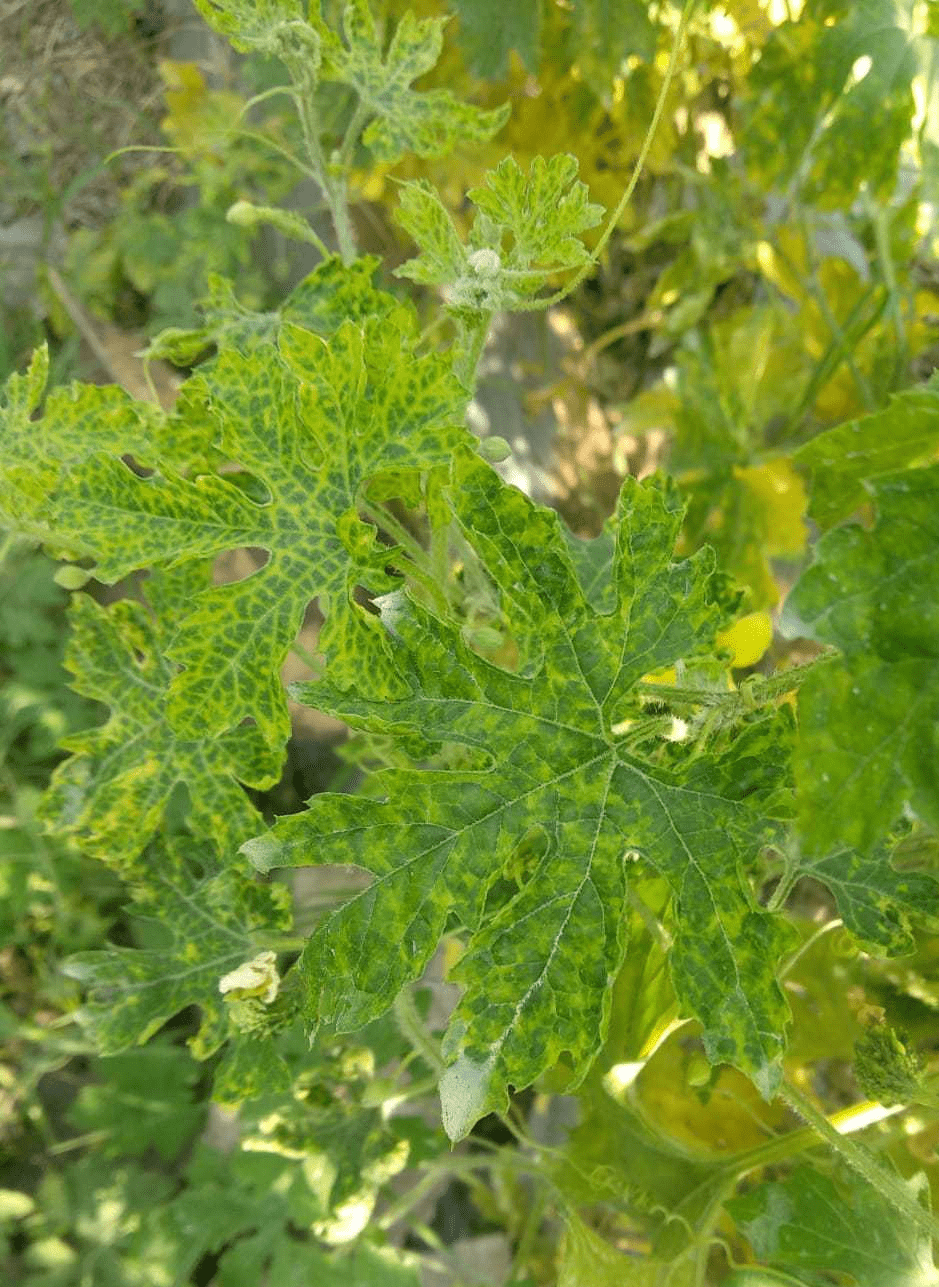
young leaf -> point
(527, 227)
(841, 460)
(868, 719)
(311, 426)
(807, 1223)
(209, 919)
(429, 122)
(537, 971)
(273, 27)
(111, 794)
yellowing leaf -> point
(780, 494)
(748, 639)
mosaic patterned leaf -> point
(426, 122)
(875, 901)
(210, 921)
(112, 794)
(545, 830)
(310, 421)
(527, 227)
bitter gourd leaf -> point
(112, 793)
(567, 786)
(311, 421)
(78, 421)
(808, 1223)
(210, 921)
(277, 28)
(401, 119)
(526, 228)
(840, 461)
(876, 902)
(813, 93)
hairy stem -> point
(889, 1186)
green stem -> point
(878, 220)
(351, 138)
(335, 199)
(263, 97)
(418, 566)
(473, 339)
(279, 942)
(887, 1185)
(269, 142)
(456, 1164)
(412, 1027)
(790, 874)
(246, 214)
(789, 964)
(655, 727)
(844, 350)
(77, 1141)
(758, 693)
(306, 657)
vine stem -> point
(412, 1026)
(539, 305)
(474, 342)
(418, 565)
(335, 200)
(856, 1156)
(765, 691)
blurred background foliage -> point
(775, 274)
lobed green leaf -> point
(428, 123)
(842, 460)
(209, 920)
(112, 793)
(538, 968)
(311, 423)
(808, 1223)
(526, 228)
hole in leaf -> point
(238, 565)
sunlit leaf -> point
(840, 461)
(311, 424)
(208, 921)
(401, 119)
(537, 970)
(526, 228)
(813, 93)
